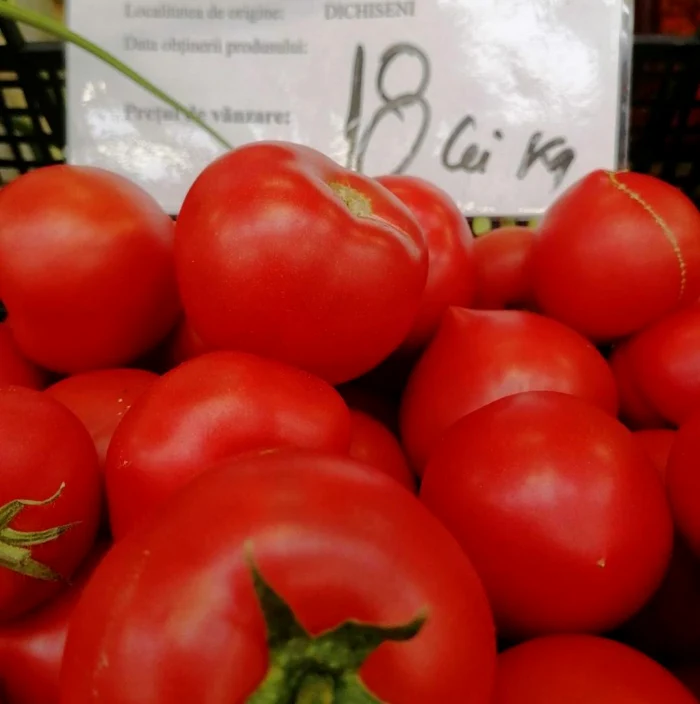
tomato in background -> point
(31, 648)
(615, 253)
(480, 356)
(182, 344)
(683, 481)
(561, 512)
(49, 495)
(580, 669)
(310, 263)
(15, 368)
(88, 278)
(334, 539)
(450, 244)
(375, 445)
(503, 268)
(657, 444)
(207, 409)
(100, 399)
(664, 365)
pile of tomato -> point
(312, 442)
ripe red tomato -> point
(318, 266)
(562, 514)
(579, 669)
(173, 612)
(49, 498)
(503, 268)
(450, 253)
(210, 408)
(663, 363)
(480, 356)
(31, 649)
(657, 444)
(15, 368)
(86, 268)
(635, 409)
(376, 446)
(100, 399)
(683, 481)
(616, 252)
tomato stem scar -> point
(357, 203)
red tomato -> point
(15, 369)
(86, 268)
(657, 444)
(336, 541)
(318, 266)
(616, 252)
(503, 263)
(182, 344)
(579, 669)
(683, 481)
(562, 514)
(49, 498)
(210, 408)
(450, 253)
(101, 398)
(635, 409)
(375, 445)
(480, 356)
(31, 649)
(664, 365)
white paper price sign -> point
(503, 103)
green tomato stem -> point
(316, 689)
(47, 24)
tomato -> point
(319, 267)
(86, 268)
(182, 344)
(615, 253)
(480, 356)
(31, 649)
(49, 498)
(210, 408)
(683, 481)
(449, 241)
(664, 366)
(635, 409)
(503, 268)
(15, 369)
(580, 669)
(379, 406)
(657, 444)
(101, 398)
(559, 509)
(327, 541)
(375, 445)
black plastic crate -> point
(664, 121)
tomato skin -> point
(31, 649)
(15, 369)
(503, 268)
(100, 399)
(88, 278)
(198, 590)
(562, 514)
(210, 408)
(683, 481)
(604, 265)
(657, 444)
(480, 356)
(376, 446)
(306, 279)
(580, 669)
(42, 446)
(450, 243)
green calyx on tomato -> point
(323, 669)
(15, 545)
(357, 203)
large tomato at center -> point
(281, 252)
(171, 615)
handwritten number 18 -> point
(359, 140)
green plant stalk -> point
(51, 26)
